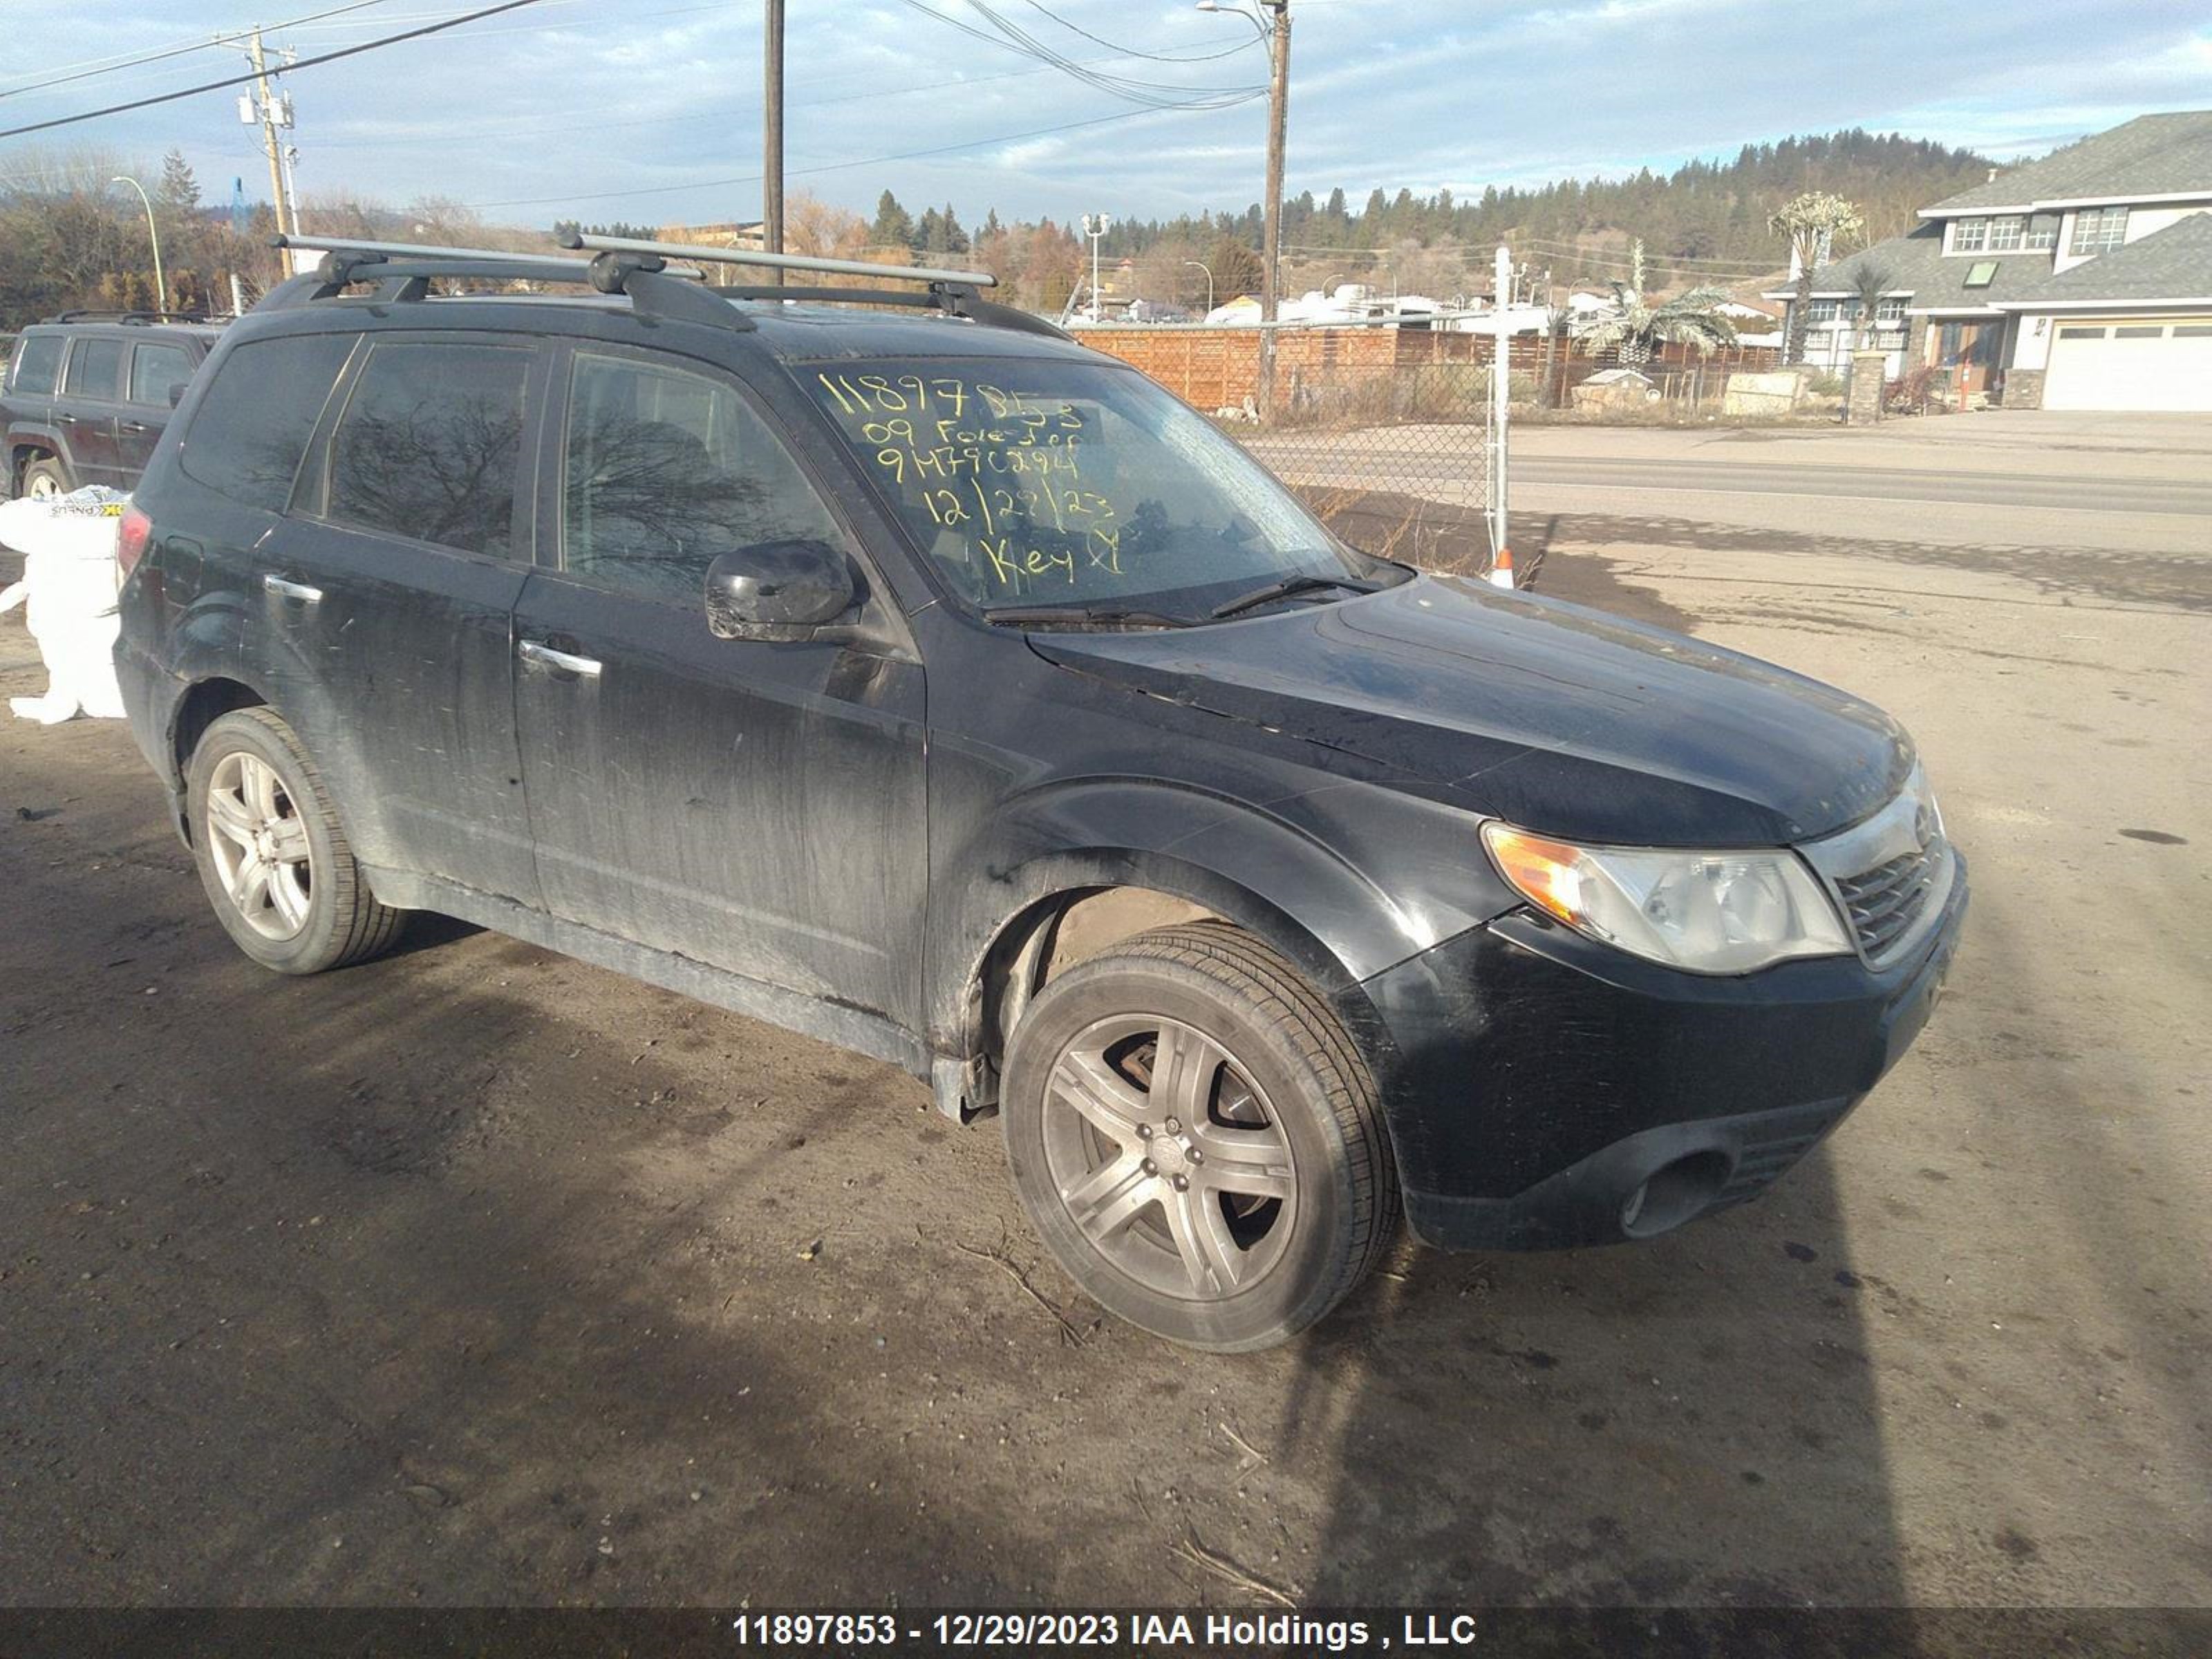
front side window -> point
(251, 430)
(663, 470)
(1970, 236)
(156, 370)
(428, 445)
(1070, 484)
(95, 368)
(38, 363)
(2100, 230)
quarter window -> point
(2100, 230)
(664, 470)
(95, 367)
(38, 362)
(429, 444)
(156, 370)
(251, 430)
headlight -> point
(1709, 912)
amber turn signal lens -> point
(1544, 871)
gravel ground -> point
(476, 1275)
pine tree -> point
(179, 192)
(954, 239)
(893, 228)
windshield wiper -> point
(1079, 615)
(1286, 588)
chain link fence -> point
(1386, 433)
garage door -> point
(2131, 362)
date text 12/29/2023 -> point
(1195, 1633)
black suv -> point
(936, 686)
(88, 394)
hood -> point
(1560, 719)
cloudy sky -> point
(649, 109)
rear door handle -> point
(537, 651)
(299, 591)
(137, 426)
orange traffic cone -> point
(1501, 572)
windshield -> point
(1045, 484)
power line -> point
(240, 80)
(1155, 93)
(826, 167)
(1132, 52)
(114, 65)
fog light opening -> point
(1675, 1194)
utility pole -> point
(1278, 99)
(271, 143)
(772, 136)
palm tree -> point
(1869, 283)
(1814, 223)
(1636, 328)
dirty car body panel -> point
(857, 836)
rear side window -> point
(95, 367)
(252, 426)
(37, 361)
(429, 444)
(155, 369)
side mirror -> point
(778, 590)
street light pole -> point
(1208, 270)
(1095, 226)
(154, 231)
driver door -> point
(757, 807)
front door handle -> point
(537, 651)
(137, 426)
(299, 591)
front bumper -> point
(1543, 1090)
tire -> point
(1300, 1199)
(263, 826)
(46, 478)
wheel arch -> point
(1065, 908)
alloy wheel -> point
(1168, 1158)
(259, 845)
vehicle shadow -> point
(1690, 1421)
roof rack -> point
(135, 318)
(403, 271)
(951, 291)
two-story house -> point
(2080, 281)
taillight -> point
(131, 536)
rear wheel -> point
(1197, 1140)
(271, 854)
(45, 479)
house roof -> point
(2169, 155)
(2173, 263)
(1917, 268)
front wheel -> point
(1196, 1139)
(272, 855)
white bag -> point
(68, 544)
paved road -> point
(2073, 492)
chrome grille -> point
(1884, 903)
(1891, 872)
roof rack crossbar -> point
(706, 254)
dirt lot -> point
(476, 1275)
